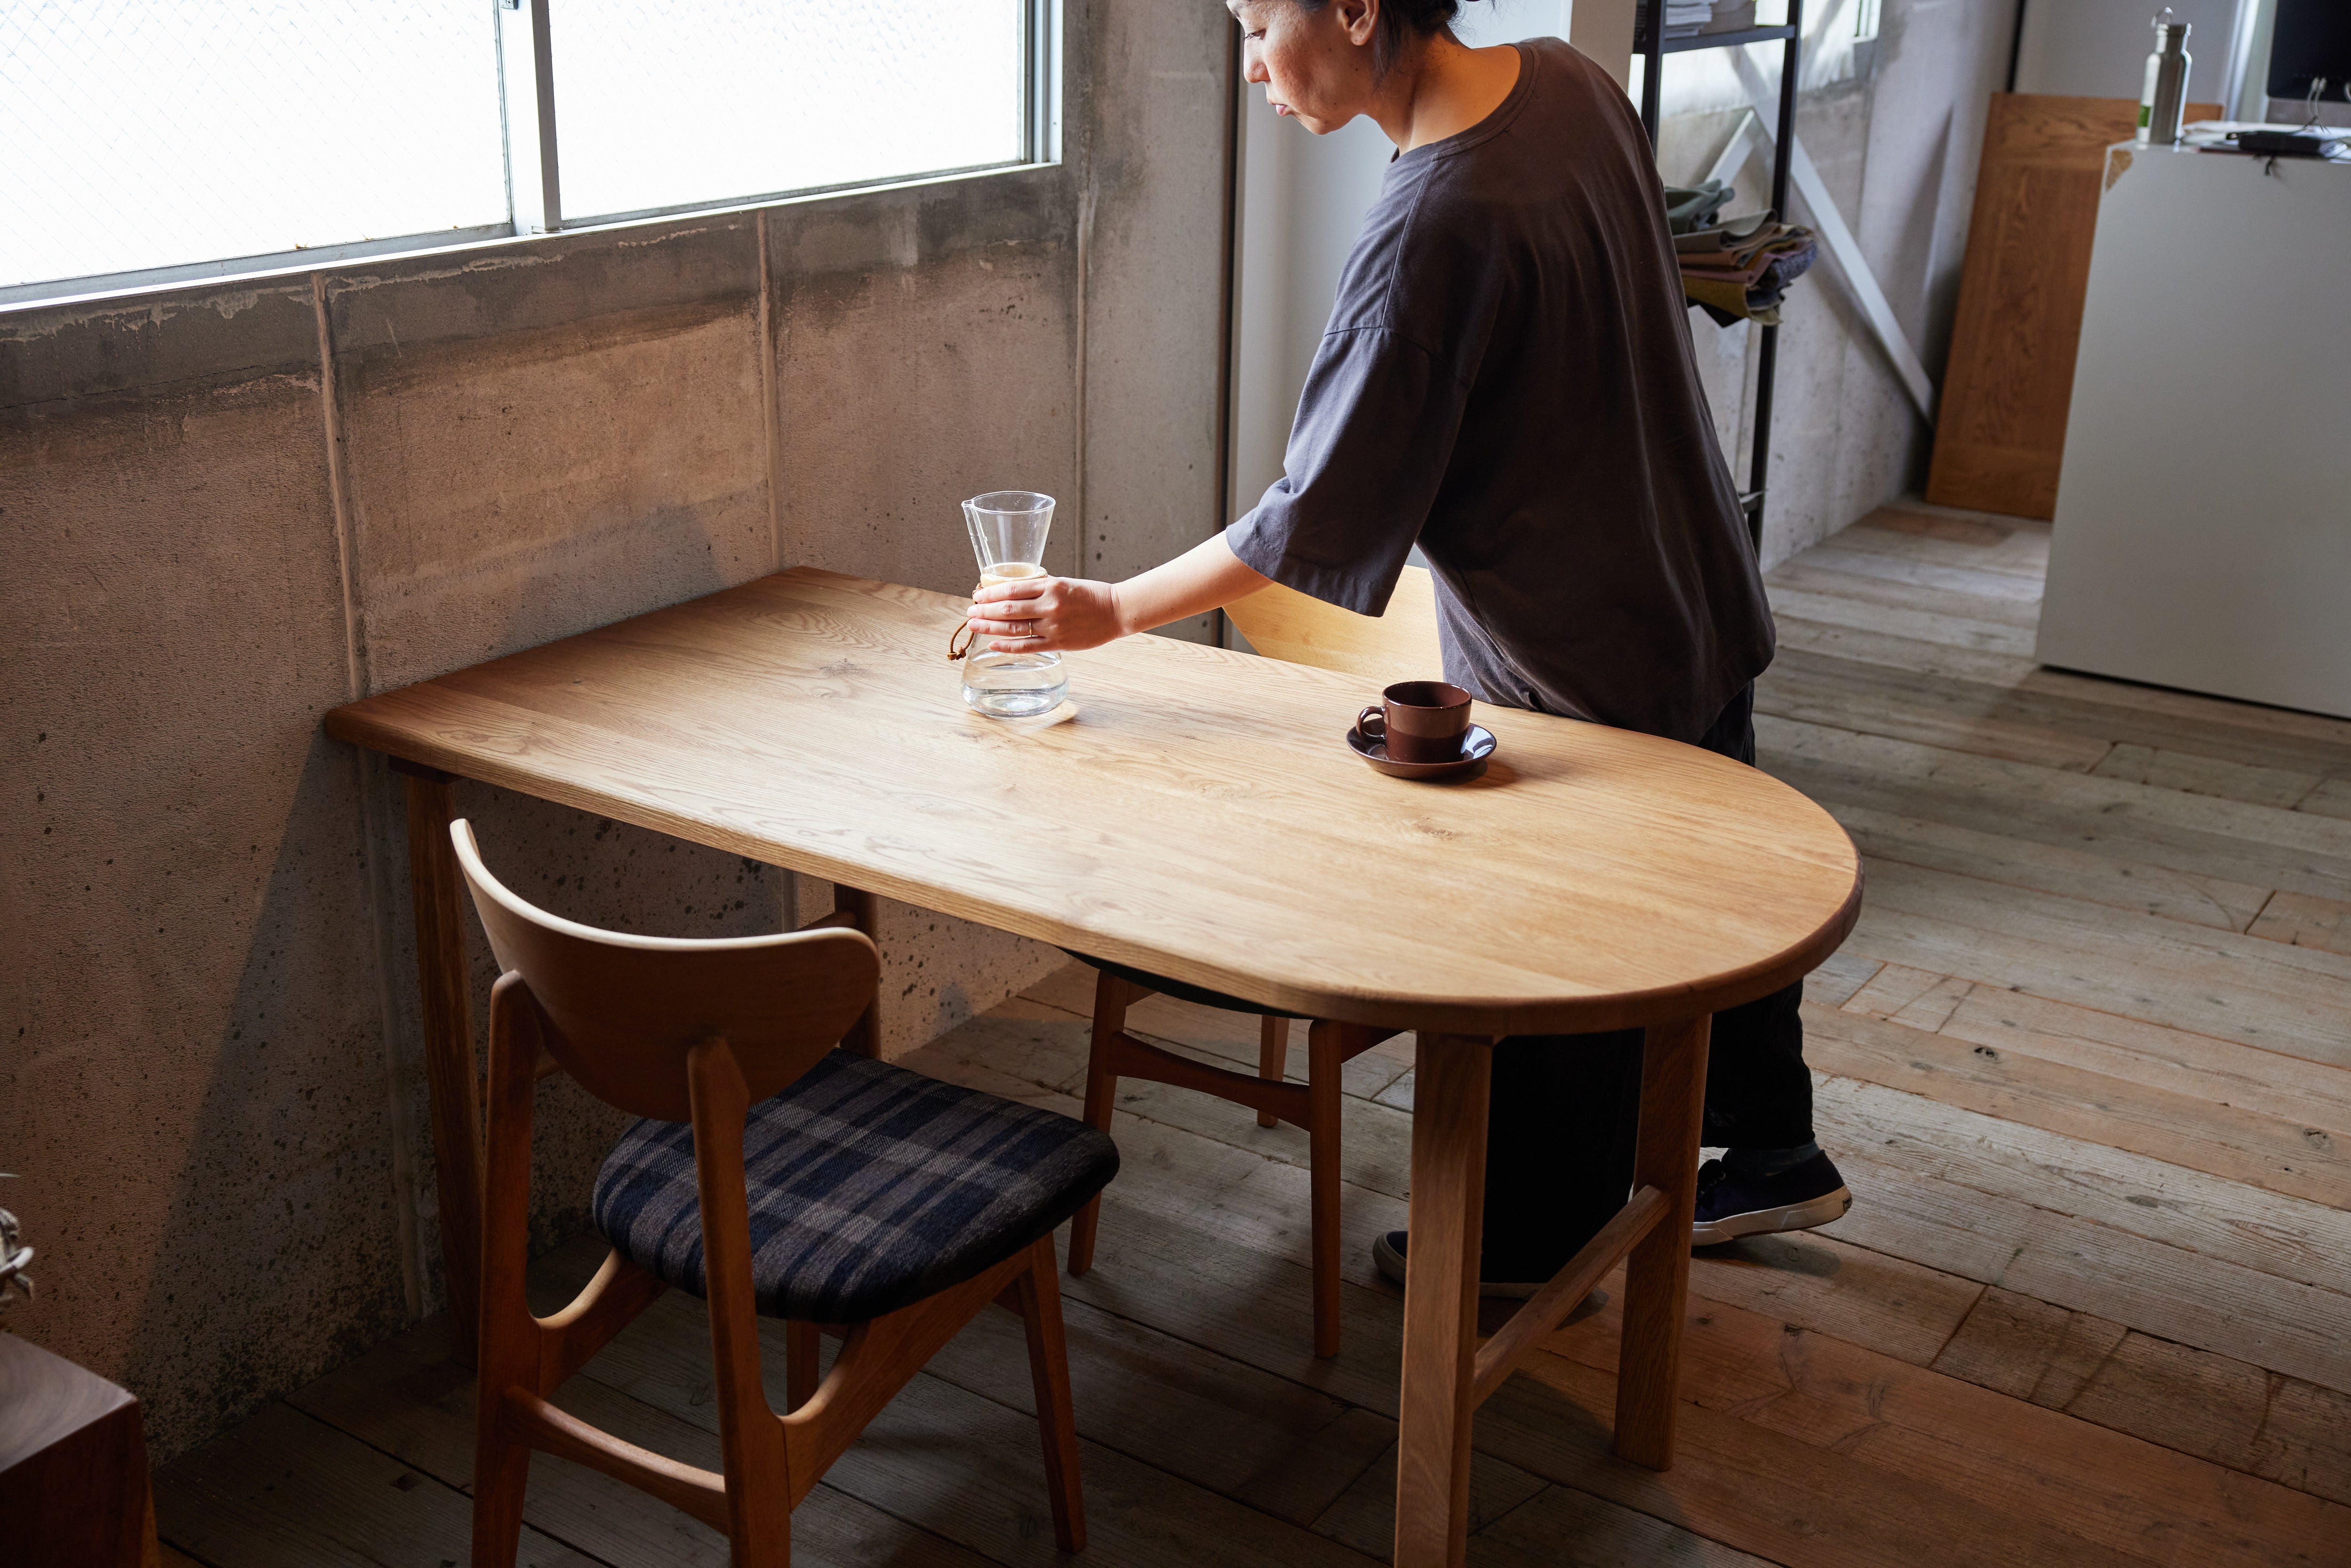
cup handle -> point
(1373, 714)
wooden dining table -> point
(1199, 816)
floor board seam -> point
(2191, 1172)
(2175, 1028)
(189, 1553)
(1344, 1403)
(916, 1525)
(1353, 1481)
(464, 1491)
(1957, 1326)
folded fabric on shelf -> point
(1693, 208)
(1743, 273)
(1730, 17)
(1731, 233)
(1742, 269)
(1792, 255)
(1726, 302)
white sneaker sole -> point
(1770, 1221)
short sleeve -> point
(1375, 428)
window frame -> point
(529, 146)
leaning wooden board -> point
(2000, 429)
(1201, 816)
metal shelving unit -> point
(1652, 50)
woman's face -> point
(1316, 65)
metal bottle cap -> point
(2171, 37)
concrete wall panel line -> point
(771, 410)
(404, 1148)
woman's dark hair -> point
(1398, 20)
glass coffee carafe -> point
(1007, 534)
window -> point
(145, 133)
(151, 141)
(663, 103)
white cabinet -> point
(2203, 529)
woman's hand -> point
(1056, 614)
(1047, 615)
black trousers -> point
(1559, 1141)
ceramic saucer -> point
(1476, 746)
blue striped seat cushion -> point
(870, 1187)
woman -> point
(1506, 380)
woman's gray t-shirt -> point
(1506, 380)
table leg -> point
(1451, 1083)
(1656, 1275)
(864, 911)
(1323, 1183)
(436, 886)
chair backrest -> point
(620, 1012)
(1400, 645)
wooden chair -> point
(772, 1174)
(1398, 645)
(1279, 623)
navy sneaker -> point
(1730, 1206)
(1387, 1256)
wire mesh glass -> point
(147, 134)
(663, 103)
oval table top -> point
(1201, 816)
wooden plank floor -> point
(2086, 1062)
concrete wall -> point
(1897, 138)
(228, 508)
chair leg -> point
(1049, 1371)
(1111, 997)
(501, 1476)
(1322, 1059)
(754, 1455)
(801, 1342)
(509, 1346)
(1272, 1057)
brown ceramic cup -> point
(1419, 721)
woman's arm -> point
(1056, 614)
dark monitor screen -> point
(2310, 42)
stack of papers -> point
(1688, 18)
(2330, 142)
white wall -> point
(1301, 200)
(2098, 49)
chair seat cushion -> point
(1178, 989)
(870, 1187)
